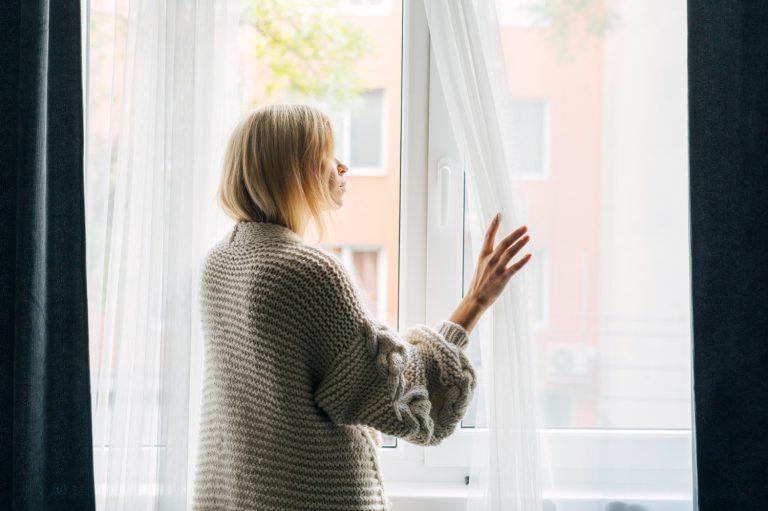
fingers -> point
(512, 250)
(519, 264)
(508, 240)
(490, 236)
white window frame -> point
(594, 466)
(382, 9)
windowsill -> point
(425, 496)
(423, 489)
(436, 489)
(455, 495)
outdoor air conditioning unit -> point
(570, 362)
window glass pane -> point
(355, 61)
(366, 130)
(608, 219)
(355, 66)
(301, 51)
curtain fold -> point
(163, 78)
(728, 98)
(45, 419)
(467, 50)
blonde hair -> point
(275, 169)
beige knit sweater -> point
(298, 373)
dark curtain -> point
(728, 106)
(46, 453)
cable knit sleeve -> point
(415, 385)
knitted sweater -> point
(297, 374)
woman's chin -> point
(336, 205)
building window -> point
(366, 7)
(368, 269)
(529, 129)
(360, 131)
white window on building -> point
(368, 268)
(360, 131)
(366, 7)
(530, 128)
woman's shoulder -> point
(320, 259)
(320, 267)
(300, 267)
(301, 254)
(323, 276)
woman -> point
(298, 374)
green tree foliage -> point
(572, 23)
(308, 49)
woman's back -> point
(294, 371)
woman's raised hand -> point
(492, 273)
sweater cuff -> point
(454, 333)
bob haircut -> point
(276, 167)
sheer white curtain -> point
(163, 91)
(467, 50)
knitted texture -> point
(299, 378)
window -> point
(599, 148)
(600, 159)
(347, 58)
(370, 219)
(359, 131)
(367, 7)
(529, 121)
